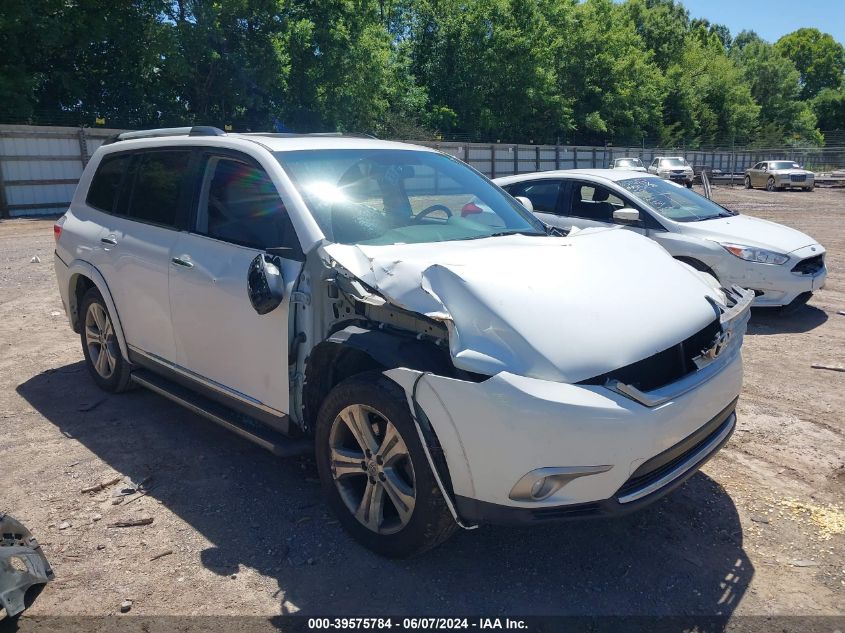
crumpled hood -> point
(748, 231)
(562, 309)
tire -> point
(350, 476)
(748, 182)
(102, 353)
(688, 184)
(808, 189)
(770, 184)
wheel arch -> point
(82, 276)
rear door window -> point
(594, 202)
(159, 183)
(105, 186)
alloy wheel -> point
(372, 469)
(100, 340)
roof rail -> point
(197, 130)
(308, 134)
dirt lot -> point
(759, 531)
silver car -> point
(776, 175)
(674, 168)
(631, 164)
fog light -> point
(537, 488)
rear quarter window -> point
(105, 185)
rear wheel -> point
(99, 345)
(748, 182)
(374, 471)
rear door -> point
(136, 242)
(219, 337)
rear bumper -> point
(651, 481)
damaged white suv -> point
(390, 309)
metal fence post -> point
(4, 208)
(557, 156)
(492, 161)
(594, 158)
(83, 147)
(537, 157)
(516, 159)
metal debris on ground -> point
(35, 260)
(22, 565)
(125, 606)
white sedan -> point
(780, 264)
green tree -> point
(829, 106)
(776, 87)
(818, 57)
(663, 26)
(615, 87)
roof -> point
(273, 142)
(612, 175)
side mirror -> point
(265, 283)
(525, 202)
(626, 216)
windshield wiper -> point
(513, 232)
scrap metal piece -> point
(22, 565)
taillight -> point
(57, 232)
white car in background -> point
(631, 164)
(783, 266)
(674, 168)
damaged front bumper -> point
(23, 565)
(583, 449)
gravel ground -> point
(759, 531)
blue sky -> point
(772, 18)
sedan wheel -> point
(770, 184)
(748, 182)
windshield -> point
(629, 162)
(386, 196)
(784, 164)
(674, 202)
(673, 162)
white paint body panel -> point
(700, 240)
(217, 333)
(560, 309)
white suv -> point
(391, 310)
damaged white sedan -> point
(385, 306)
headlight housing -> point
(757, 255)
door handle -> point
(110, 240)
(179, 261)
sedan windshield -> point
(629, 162)
(673, 162)
(784, 164)
(673, 202)
(386, 196)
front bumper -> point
(493, 433)
(776, 285)
(652, 480)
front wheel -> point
(808, 188)
(770, 184)
(689, 184)
(748, 182)
(102, 353)
(374, 471)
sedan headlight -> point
(758, 255)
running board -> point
(243, 425)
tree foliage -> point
(589, 72)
